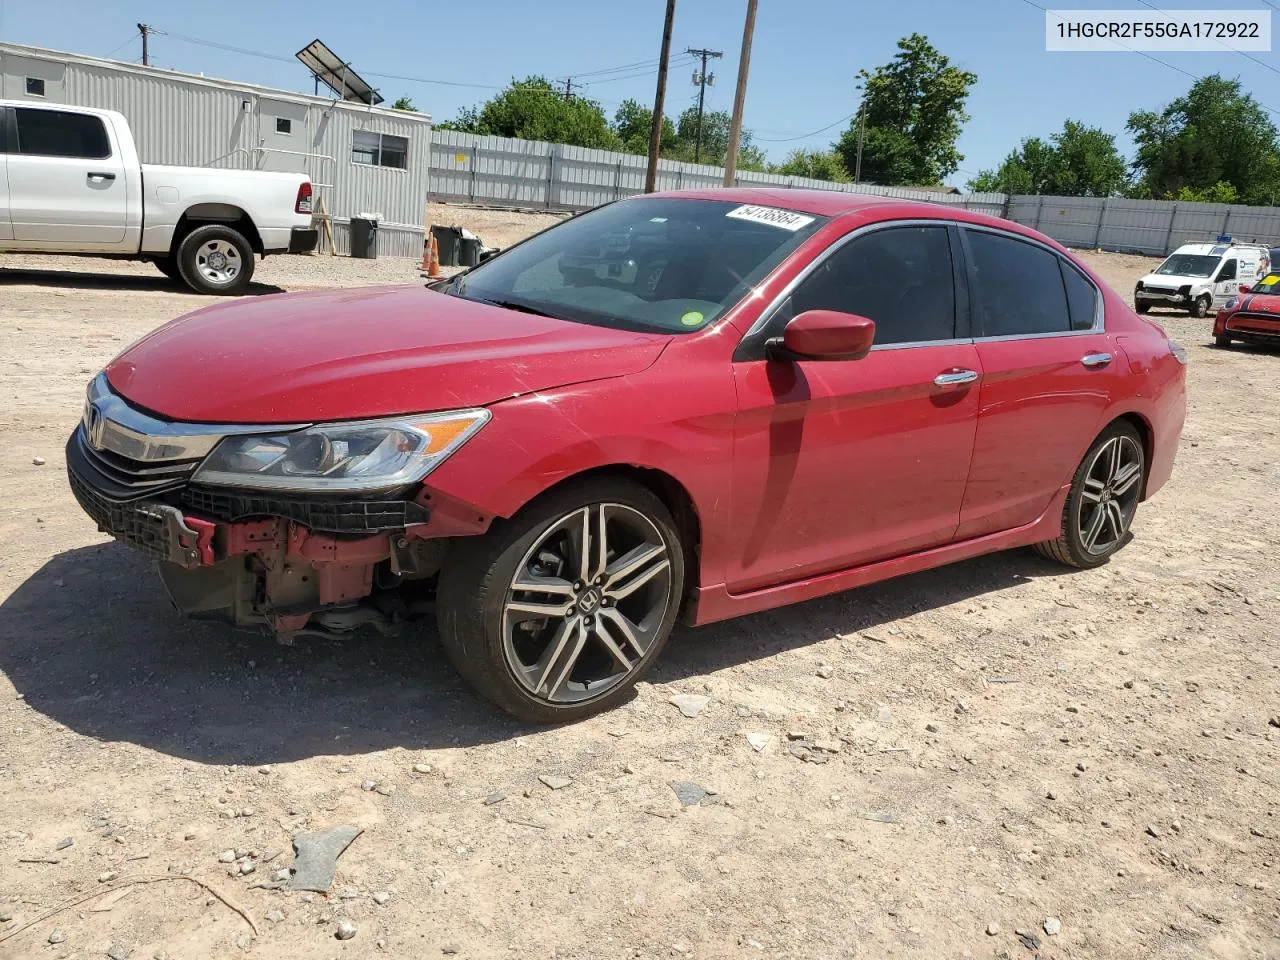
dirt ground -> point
(1011, 743)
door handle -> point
(955, 378)
(1096, 359)
(101, 176)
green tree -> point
(815, 164)
(1079, 161)
(913, 108)
(404, 103)
(715, 140)
(633, 123)
(1215, 134)
(532, 109)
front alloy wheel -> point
(557, 613)
(1103, 500)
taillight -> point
(304, 198)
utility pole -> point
(702, 79)
(144, 30)
(659, 98)
(568, 89)
(740, 96)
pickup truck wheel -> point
(555, 614)
(215, 259)
(169, 267)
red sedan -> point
(1253, 316)
(702, 403)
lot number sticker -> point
(770, 216)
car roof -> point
(1214, 249)
(836, 203)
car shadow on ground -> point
(90, 641)
(112, 281)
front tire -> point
(169, 267)
(1104, 497)
(1200, 309)
(557, 613)
(1222, 340)
(1142, 306)
(216, 260)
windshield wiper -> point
(514, 305)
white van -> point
(1199, 276)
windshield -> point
(1188, 265)
(651, 264)
(1268, 284)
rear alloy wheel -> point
(215, 259)
(1200, 309)
(557, 613)
(1103, 500)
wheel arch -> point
(228, 214)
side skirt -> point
(709, 604)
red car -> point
(1253, 316)
(702, 403)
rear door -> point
(1049, 370)
(67, 184)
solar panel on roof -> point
(336, 74)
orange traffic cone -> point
(433, 258)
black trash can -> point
(469, 252)
(364, 238)
(447, 242)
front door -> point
(1049, 371)
(841, 463)
(66, 183)
(1225, 282)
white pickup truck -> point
(71, 182)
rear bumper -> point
(303, 239)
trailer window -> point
(58, 133)
(379, 150)
(284, 125)
(35, 87)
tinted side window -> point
(54, 133)
(1082, 297)
(899, 277)
(1228, 271)
(1019, 287)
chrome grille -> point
(139, 475)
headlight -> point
(330, 457)
(1139, 286)
(1231, 304)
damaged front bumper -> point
(293, 563)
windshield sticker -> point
(770, 216)
(692, 318)
(657, 219)
(1270, 279)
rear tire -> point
(1103, 500)
(215, 260)
(580, 633)
(1200, 309)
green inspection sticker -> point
(692, 318)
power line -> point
(132, 37)
(805, 136)
(1242, 53)
(1147, 56)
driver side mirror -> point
(1245, 288)
(824, 335)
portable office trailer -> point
(362, 159)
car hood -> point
(1172, 280)
(359, 353)
(1259, 302)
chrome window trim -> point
(110, 423)
(1099, 306)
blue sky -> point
(803, 64)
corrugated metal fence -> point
(498, 171)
